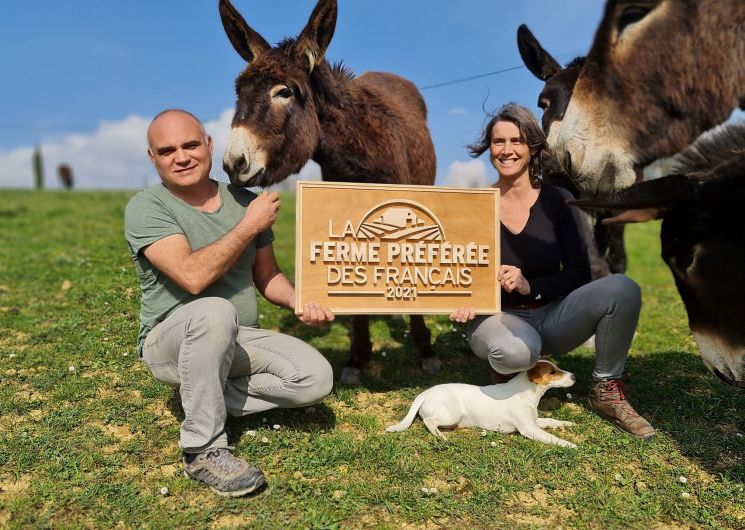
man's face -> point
(179, 150)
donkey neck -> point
(343, 114)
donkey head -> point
(659, 73)
(275, 128)
(701, 247)
(557, 91)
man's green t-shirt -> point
(156, 213)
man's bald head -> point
(180, 149)
(169, 112)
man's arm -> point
(195, 270)
(279, 290)
(270, 281)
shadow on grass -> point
(397, 365)
(319, 417)
(673, 389)
(684, 401)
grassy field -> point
(88, 438)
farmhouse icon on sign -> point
(392, 222)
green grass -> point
(91, 448)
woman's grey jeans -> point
(222, 368)
(608, 308)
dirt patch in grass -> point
(231, 521)
(553, 515)
(383, 407)
(29, 393)
(380, 517)
(737, 511)
(12, 421)
(14, 485)
(122, 433)
(168, 471)
(159, 409)
(131, 471)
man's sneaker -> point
(225, 474)
(608, 400)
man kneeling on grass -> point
(200, 249)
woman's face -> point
(510, 154)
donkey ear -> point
(315, 38)
(538, 60)
(644, 201)
(246, 41)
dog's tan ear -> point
(540, 374)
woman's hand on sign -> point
(316, 315)
(511, 279)
(463, 315)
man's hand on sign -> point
(463, 315)
(316, 315)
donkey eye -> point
(630, 15)
(285, 93)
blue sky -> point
(83, 77)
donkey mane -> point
(718, 154)
(331, 83)
(577, 62)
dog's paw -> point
(569, 445)
(431, 365)
(350, 376)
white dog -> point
(506, 407)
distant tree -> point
(38, 166)
(66, 179)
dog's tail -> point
(409, 419)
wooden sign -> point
(371, 248)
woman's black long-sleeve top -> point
(549, 251)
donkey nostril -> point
(235, 166)
(241, 164)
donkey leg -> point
(359, 352)
(598, 266)
(616, 257)
(421, 335)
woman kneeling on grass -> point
(549, 304)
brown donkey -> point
(293, 106)
(659, 73)
(605, 248)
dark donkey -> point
(293, 106)
(658, 74)
(703, 240)
(605, 243)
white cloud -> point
(457, 111)
(470, 174)
(114, 156)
